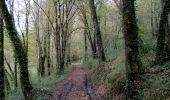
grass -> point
(43, 86)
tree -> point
(85, 44)
(161, 51)
(2, 85)
(18, 49)
(40, 37)
(87, 32)
(11, 2)
(96, 26)
(133, 63)
(64, 11)
(48, 45)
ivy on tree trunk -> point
(2, 85)
(133, 63)
(18, 49)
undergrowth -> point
(43, 86)
(156, 84)
(111, 74)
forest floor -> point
(77, 86)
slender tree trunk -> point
(48, 53)
(95, 53)
(152, 19)
(27, 6)
(15, 71)
(52, 54)
(41, 47)
(88, 35)
(43, 56)
(57, 34)
(161, 51)
(133, 63)
(91, 40)
(85, 44)
(7, 84)
(168, 43)
(2, 84)
(69, 50)
(97, 31)
(9, 67)
(19, 50)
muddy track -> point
(77, 86)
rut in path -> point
(77, 86)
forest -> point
(84, 49)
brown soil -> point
(77, 86)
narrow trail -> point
(77, 86)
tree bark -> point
(85, 44)
(2, 85)
(96, 26)
(48, 51)
(133, 63)
(19, 50)
(7, 84)
(161, 51)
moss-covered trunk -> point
(2, 94)
(161, 51)
(133, 63)
(18, 49)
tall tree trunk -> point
(7, 84)
(152, 19)
(43, 56)
(41, 47)
(96, 26)
(133, 63)
(69, 50)
(19, 50)
(27, 14)
(161, 51)
(168, 43)
(85, 44)
(88, 34)
(57, 33)
(95, 52)
(48, 52)
(2, 85)
(15, 72)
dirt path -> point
(77, 86)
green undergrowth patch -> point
(42, 86)
(157, 83)
(15, 95)
(111, 74)
(47, 82)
